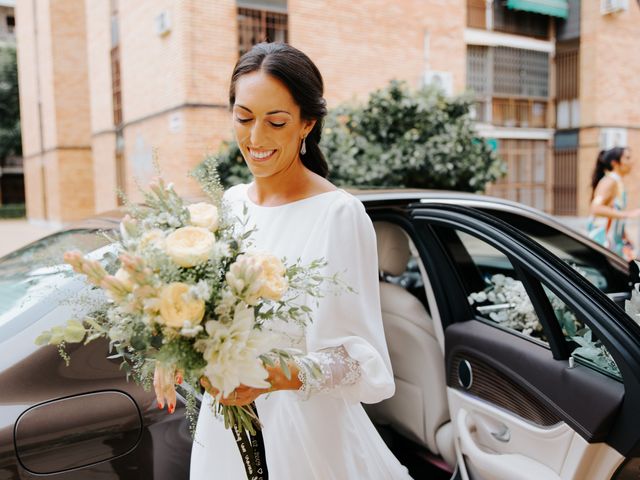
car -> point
(512, 353)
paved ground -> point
(16, 233)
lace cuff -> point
(335, 366)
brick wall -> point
(360, 46)
(54, 98)
(153, 66)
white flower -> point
(204, 215)
(189, 330)
(498, 280)
(232, 352)
(201, 290)
(153, 238)
(477, 297)
(220, 250)
(225, 306)
(125, 279)
(189, 246)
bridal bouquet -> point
(189, 295)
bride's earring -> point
(303, 150)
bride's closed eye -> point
(274, 124)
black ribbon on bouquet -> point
(251, 448)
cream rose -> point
(274, 281)
(176, 307)
(189, 246)
(204, 215)
(257, 275)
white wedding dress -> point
(322, 433)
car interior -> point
(415, 421)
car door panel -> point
(520, 376)
(531, 452)
(528, 414)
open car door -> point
(543, 369)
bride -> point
(313, 429)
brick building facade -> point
(104, 83)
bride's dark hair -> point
(303, 80)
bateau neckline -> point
(295, 202)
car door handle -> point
(503, 435)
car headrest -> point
(393, 248)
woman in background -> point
(609, 202)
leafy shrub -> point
(398, 138)
(15, 210)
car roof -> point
(380, 197)
(400, 197)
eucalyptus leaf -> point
(74, 332)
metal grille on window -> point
(520, 87)
(479, 80)
(521, 72)
(255, 26)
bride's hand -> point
(242, 395)
(164, 380)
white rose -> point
(204, 215)
(177, 307)
(189, 246)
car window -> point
(498, 296)
(31, 273)
(585, 345)
(606, 274)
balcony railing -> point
(512, 112)
(506, 20)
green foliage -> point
(398, 138)
(13, 210)
(231, 166)
(10, 139)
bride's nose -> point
(257, 134)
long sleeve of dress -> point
(346, 338)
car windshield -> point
(33, 272)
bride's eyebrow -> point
(272, 112)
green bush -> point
(398, 138)
(10, 139)
(13, 210)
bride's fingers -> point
(158, 387)
(170, 396)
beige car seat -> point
(419, 409)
